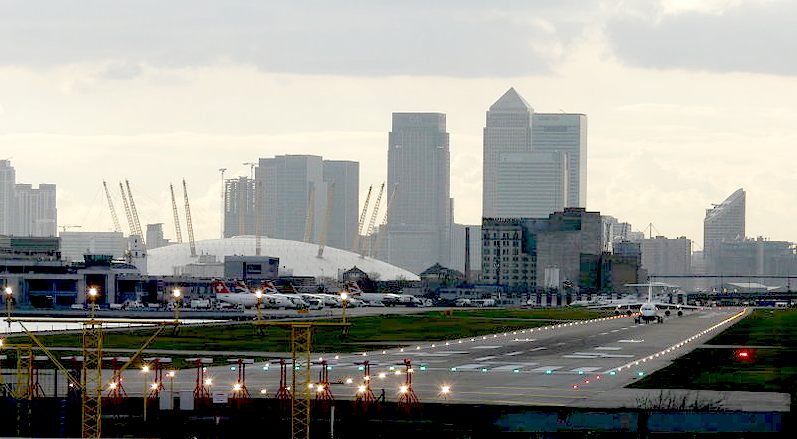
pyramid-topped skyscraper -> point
(534, 164)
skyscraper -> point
(531, 184)
(508, 130)
(345, 201)
(36, 212)
(565, 133)
(288, 184)
(421, 215)
(8, 182)
(724, 222)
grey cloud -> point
(463, 38)
(758, 37)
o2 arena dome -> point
(299, 258)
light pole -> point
(9, 296)
(92, 299)
(144, 371)
(259, 296)
(344, 301)
(171, 382)
(177, 294)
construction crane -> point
(322, 241)
(116, 226)
(355, 244)
(133, 211)
(130, 222)
(251, 169)
(188, 222)
(380, 239)
(370, 231)
(309, 219)
(176, 216)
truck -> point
(199, 304)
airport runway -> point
(575, 364)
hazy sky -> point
(687, 100)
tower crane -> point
(188, 222)
(133, 210)
(116, 226)
(355, 244)
(176, 216)
(310, 218)
(251, 169)
(380, 239)
(370, 231)
(322, 240)
(130, 222)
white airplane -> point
(272, 298)
(386, 299)
(238, 298)
(649, 309)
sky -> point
(686, 101)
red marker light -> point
(743, 354)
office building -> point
(418, 234)
(74, 245)
(534, 163)
(508, 130)
(665, 256)
(154, 236)
(8, 182)
(293, 190)
(565, 133)
(724, 222)
(555, 252)
(345, 203)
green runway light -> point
(232, 367)
(392, 368)
(640, 373)
(360, 368)
(581, 372)
(453, 369)
(548, 372)
(484, 369)
(423, 367)
(612, 373)
(265, 367)
(516, 370)
(329, 367)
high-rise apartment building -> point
(534, 164)
(724, 222)
(8, 182)
(36, 212)
(565, 133)
(421, 214)
(239, 207)
(345, 201)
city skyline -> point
(669, 135)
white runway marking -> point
(541, 348)
(604, 333)
(514, 353)
(508, 367)
(545, 368)
(584, 369)
(607, 348)
(580, 357)
(489, 357)
(614, 330)
(470, 366)
(630, 341)
(486, 347)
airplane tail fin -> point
(219, 287)
(650, 291)
(268, 287)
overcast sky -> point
(687, 100)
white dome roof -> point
(299, 257)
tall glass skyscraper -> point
(534, 164)
(8, 181)
(724, 222)
(421, 214)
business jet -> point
(649, 309)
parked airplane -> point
(239, 297)
(386, 299)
